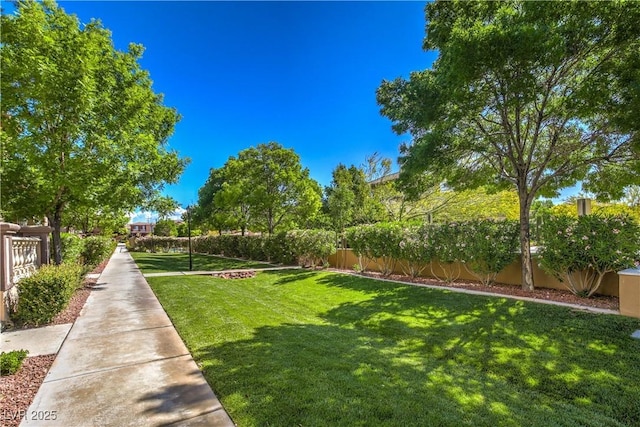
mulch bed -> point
(235, 274)
(18, 390)
(596, 301)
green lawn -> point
(300, 348)
(165, 262)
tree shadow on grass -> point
(416, 356)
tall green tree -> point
(81, 125)
(348, 197)
(165, 227)
(534, 96)
(274, 186)
(164, 206)
(216, 210)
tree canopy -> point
(81, 125)
(264, 188)
(534, 96)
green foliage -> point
(72, 248)
(91, 219)
(447, 243)
(165, 228)
(160, 244)
(10, 362)
(377, 242)
(81, 124)
(348, 198)
(415, 251)
(312, 247)
(488, 247)
(580, 251)
(46, 293)
(96, 249)
(305, 246)
(278, 249)
(265, 189)
(533, 96)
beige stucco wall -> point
(510, 275)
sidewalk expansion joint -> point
(115, 368)
(121, 332)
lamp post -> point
(189, 235)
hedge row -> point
(304, 247)
(483, 247)
(580, 251)
(577, 251)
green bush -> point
(378, 242)
(97, 249)
(580, 251)
(11, 362)
(447, 242)
(279, 250)
(415, 251)
(72, 247)
(487, 247)
(46, 293)
(312, 247)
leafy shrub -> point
(312, 247)
(488, 247)
(415, 252)
(96, 249)
(160, 244)
(46, 293)
(72, 247)
(279, 249)
(230, 245)
(580, 251)
(11, 362)
(447, 242)
(358, 242)
(206, 245)
(378, 242)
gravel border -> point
(18, 390)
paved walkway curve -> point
(124, 364)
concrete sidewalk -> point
(123, 364)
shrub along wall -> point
(510, 275)
(592, 247)
(304, 247)
(41, 296)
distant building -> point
(140, 229)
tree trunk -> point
(55, 222)
(525, 242)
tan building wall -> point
(510, 275)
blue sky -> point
(303, 74)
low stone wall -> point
(345, 258)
